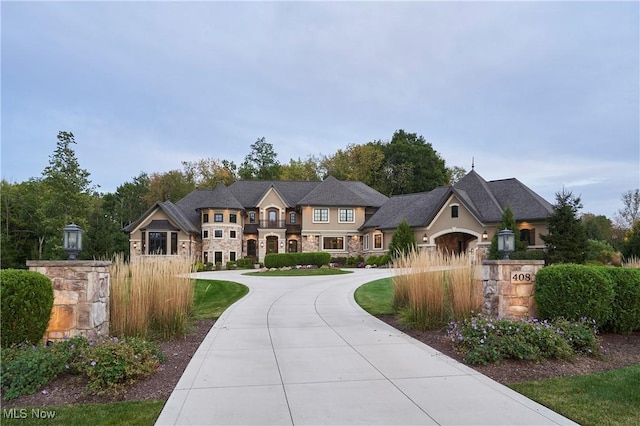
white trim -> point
(313, 215)
(454, 229)
(353, 214)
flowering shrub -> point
(483, 339)
(107, 363)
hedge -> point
(26, 300)
(279, 260)
(574, 292)
(625, 317)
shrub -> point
(26, 368)
(625, 317)
(574, 292)
(25, 306)
(198, 266)
(600, 251)
(245, 262)
(279, 260)
(110, 364)
(232, 265)
(483, 339)
(527, 255)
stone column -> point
(81, 297)
(508, 287)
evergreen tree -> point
(508, 222)
(261, 163)
(567, 239)
(403, 241)
(631, 245)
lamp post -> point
(72, 240)
(506, 242)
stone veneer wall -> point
(81, 297)
(508, 295)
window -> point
(292, 217)
(205, 217)
(233, 218)
(293, 246)
(174, 243)
(252, 217)
(217, 233)
(345, 215)
(454, 211)
(333, 243)
(205, 234)
(232, 256)
(528, 236)
(321, 215)
(157, 243)
(217, 255)
(365, 242)
(232, 234)
(218, 217)
(377, 241)
(205, 257)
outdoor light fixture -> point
(183, 245)
(485, 236)
(72, 240)
(425, 238)
(281, 244)
(261, 243)
(135, 245)
(506, 242)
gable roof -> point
(177, 218)
(332, 192)
(484, 200)
(417, 209)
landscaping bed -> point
(619, 351)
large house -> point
(344, 218)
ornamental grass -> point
(432, 288)
(151, 297)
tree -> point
(629, 214)
(596, 227)
(508, 222)
(412, 165)
(631, 245)
(170, 186)
(65, 196)
(261, 163)
(300, 170)
(454, 174)
(364, 163)
(208, 172)
(567, 240)
(403, 241)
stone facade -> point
(508, 287)
(81, 297)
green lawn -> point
(212, 297)
(608, 398)
(116, 413)
(376, 297)
(300, 272)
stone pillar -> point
(508, 287)
(81, 297)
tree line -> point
(34, 212)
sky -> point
(546, 92)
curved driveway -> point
(300, 351)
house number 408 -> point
(521, 277)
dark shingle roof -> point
(176, 216)
(417, 209)
(480, 196)
(485, 200)
(332, 192)
(525, 204)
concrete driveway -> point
(301, 351)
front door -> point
(272, 245)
